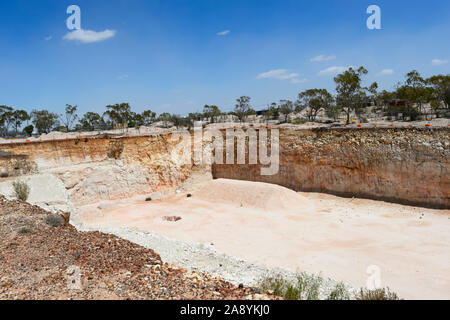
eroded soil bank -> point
(408, 166)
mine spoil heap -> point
(37, 248)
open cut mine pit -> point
(342, 201)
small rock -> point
(105, 205)
(155, 196)
(171, 218)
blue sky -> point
(168, 55)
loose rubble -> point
(38, 261)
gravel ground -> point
(205, 259)
(38, 251)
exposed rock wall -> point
(410, 166)
(105, 168)
(12, 165)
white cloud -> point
(88, 36)
(386, 72)
(223, 33)
(438, 62)
(122, 77)
(281, 74)
(48, 38)
(322, 57)
(333, 70)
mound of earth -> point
(257, 195)
(38, 256)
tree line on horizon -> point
(408, 100)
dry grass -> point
(307, 287)
(378, 294)
(21, 190)
(304, 287)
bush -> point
(28, 130)
(304, 287)
(55, 220)
(307, 287)
(378, 294)
(340, 292)
(21, 190)
(299, 121)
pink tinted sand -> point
(271, 225)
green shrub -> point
(304, 287)
(339, 292)
(28, 130)
(378, 294)
(21, 190)
(299, 121)
(307, 287)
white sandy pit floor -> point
(273, 226)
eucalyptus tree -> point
(118, 113)
(5, 119)
(242, 108)
(350, 94)
(273, 112)
(69, 117)
(314, 100)
(416, 88)
(44, 120)
(148, 117)
(89, 121)
(441, 86)
(286, 108)
(165, 118)
(415, 92)
(18, 117)
(211, 112)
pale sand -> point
(276, 227)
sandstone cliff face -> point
(105, 168)
(12, 165)
(410, 166)
(399, 165)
